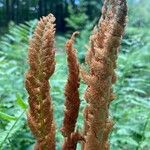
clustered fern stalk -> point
(42, 65)
(101, 59)
(72, 102)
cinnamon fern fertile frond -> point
(41, 68)
(72, 101)
(101, 59)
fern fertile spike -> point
(72, 101)
(101, 58)
(42, 65)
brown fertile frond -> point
(101, 58)
(72, 101)
(42, 65)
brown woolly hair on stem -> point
(101, 59)
(72, 101)
(42, 65)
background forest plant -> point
(131, 126)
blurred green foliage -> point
(139, 13)
(130, 110)
(13, 52)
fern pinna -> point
(101, 59)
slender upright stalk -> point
(72, 101)
(101, 59)
(42, 65)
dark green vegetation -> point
(20, 11)
(130, 110)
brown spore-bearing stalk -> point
(72, 101)
(101, 59)
(41, 67)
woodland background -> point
(131, 109)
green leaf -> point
(6, 116)
(20, 102)
(3, 135)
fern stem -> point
(12, 128)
